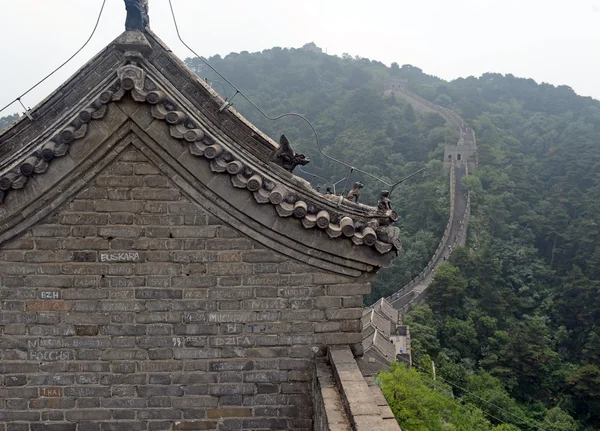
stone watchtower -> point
(391, 86)
(161, 270)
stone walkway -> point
(412, 294)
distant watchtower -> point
(391, 85)
(311, 47)
(464, 152)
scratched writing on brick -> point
(50, 355)
(189, 340)
(120, 257)
(51, 392)
(231, 341)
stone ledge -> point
(329, 413)
(365, 411)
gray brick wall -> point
(131, 308)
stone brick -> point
(47, 256)
(226, 281)
(133, 155)
(328, 326)
(349, 289)
(122, 403)
(265, 376)
(50, 231)
(83, 231)
(123, 414)
(49, 305)
(194, 244)
(158, 402)
(10, 416)
(194, 425)
(52, 403)
(194, 402)
(86, 243)
(51, 381)
(86, 391)
(145, 169)
(327, 302)
(228, 413)
(352, 301)
(152, 194)
(157, 269)
(206, 353)
(231, 389)
(159, 366)
(119, 181)
(120, 231)
(22, 243)
(344, 314)
(158, 293)
(266, 280)
(120, 218)
(228, 244)
(84, 218)
(123, 426)
(159, 414)
(267, 423)
(119, 206)
(53, 427)
(121, 168)
(159, 329)
(88, 403)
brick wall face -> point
(132, 308)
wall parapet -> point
(329, 414)
(364, 405)
(432, 264)
(413, 292)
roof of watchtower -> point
(136, 90)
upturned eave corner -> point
(140, 68)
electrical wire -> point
(289, 114)
(18, 99)
(222, 86)
(463, 408)
(311, 174)
(440, 388)
(519, 418)
(522, 420)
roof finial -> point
(137, 15)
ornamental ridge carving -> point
(57, 146)
(285, 157)
(375, 230)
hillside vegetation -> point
(513, 320)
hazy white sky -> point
(555, 41)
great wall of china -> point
(459, 159)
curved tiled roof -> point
(219, 137)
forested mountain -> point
(513, 320)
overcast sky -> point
(554, 41)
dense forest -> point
(512, 321)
